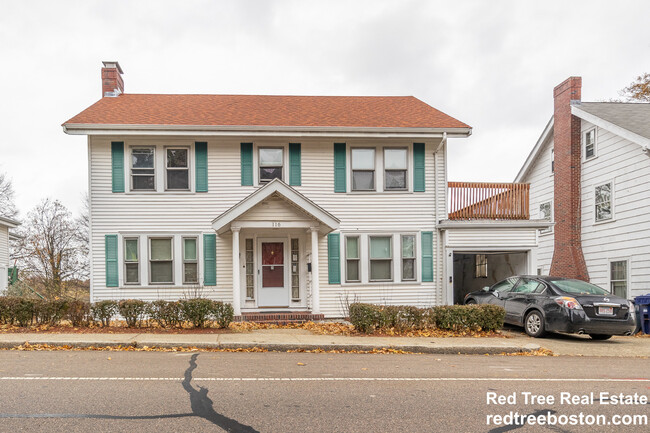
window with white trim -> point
(589, 141)
(546, 213)
(381, 258)
(352, 259)
(618, 278)
(480, 266)
(190, 261)
(161, 261)
(250, 270)
(295, 269)
(363, 169)
(177, 169)
(552, 160)
(271, 163)
(131, 261)
(395, 169)
(603, 207)
(408, 257)
(143, 172)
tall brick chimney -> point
(568, 260)
(112, 83)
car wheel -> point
(534, 324)
(600, 336)
(470, 302)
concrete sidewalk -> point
(279, 340)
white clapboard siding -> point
(165, 212)
(492, 238)
(4, 256)
(542, 185)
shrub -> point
(197, 311)
(79, 313)
(474, 317)
(222, 313)
(23, 311)
(7, 309)
(132, 310)
(365, 317)
(103, 311)
(165, 313)
(50, 312)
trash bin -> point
(643, 303)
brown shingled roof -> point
(257, 110)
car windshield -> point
(578, 287)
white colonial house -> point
(291, 204)
(5, 264)
(589, 172)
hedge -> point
(199, 312)
(367, 318)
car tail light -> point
(570, 303)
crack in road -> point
(202, 407)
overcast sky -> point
(492, 64)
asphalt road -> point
(281, 392)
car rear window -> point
(578, 287)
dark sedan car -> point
(544, 303)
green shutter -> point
(117, 165)
(427, 256)
(418, 167)
(294, 164)
(209, 259)
(247, 164)
(111, 260)
(201, 166)
(339, 167)
(334, 258)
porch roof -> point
(326, 220)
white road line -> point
(334, 379)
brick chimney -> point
(568, 260)
(112, 83)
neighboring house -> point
(294, 204)
(5, 264)
(589, 172)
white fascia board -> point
(536, 149)
(222, 222)
(611, 127)
(101, 129)
(494, 224)
(8, 222)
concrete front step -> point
(281, 317)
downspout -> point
(439, 249)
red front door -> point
(273, 291)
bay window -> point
(381, 258)
(161, 262)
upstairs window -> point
(589, 139)
(363, 169)
(271, 163)
(178, 172)
(552, 160)
(142, 169)
(545, 213)
(603, 199)
(395, 169)
(131, 261)
(161, 262)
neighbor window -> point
(545, 213)
(590, 143)
(552, 160)
(618, 278)
(178, 171)
(250, 270)
(271, 160)
(352, 259)
(142, 169)
(161, 262)
(480, 266)
(363, 169)
(131, 261)
(381, 258)
(408, 257)
(395, 168)
(603, 207)
(190, 261)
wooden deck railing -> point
(483, 200)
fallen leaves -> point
(538, 352)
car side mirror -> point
(495, 293)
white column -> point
(236, 293)
(315, 291)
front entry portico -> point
(275, 236)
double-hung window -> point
(381, 258)
(395, 169)
(131, 261)
(142, 169)
(271, 161)
(190, 261)
(161, 261)
(590, 143)
(618, 278)
(408, 257)
(552, 160)
(545, 213)
(178, 169)
(352, 273)
(603, 202)
(363, 169)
